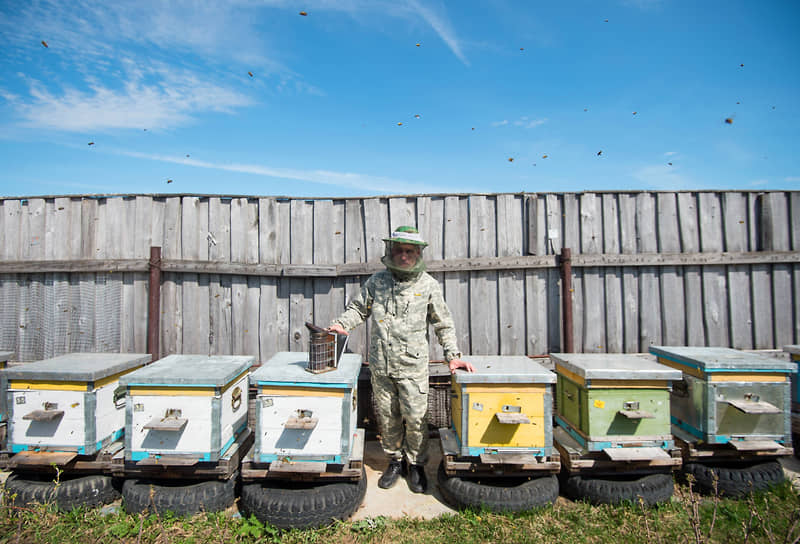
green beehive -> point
(608, 401)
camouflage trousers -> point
(400, 406)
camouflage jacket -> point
(400, 312)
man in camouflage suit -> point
(401, 301)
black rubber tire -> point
(735, 480)
(796, 443)
(498, 494)
(181, 497)
(650, 488)
(302, 505)
(70, 492)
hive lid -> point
(794, 349)
(289, 367)
(191, 370)
(503, 369)
(614, 366)
(6, 355)
(77, 367)
(722, 359)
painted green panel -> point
(604, 419)
(569, 401)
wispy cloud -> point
(351, 180)
(663, 177)
(524, 122)
(759, 182)
(792, 178)
(441, 25)
(670, 153)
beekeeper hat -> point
(406, 235)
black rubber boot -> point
(417, 482)
(390, 475)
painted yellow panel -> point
(748, 377)
(504, 388)
(235, 380)
(683, 368)
(569, 374)
(48, 386)
(486, 431)
(173, 391)
(301, 392)
(113, 378)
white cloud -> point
(792, 178)
(663, 177)
(441, 25)
(759, 182)
(524, 122)
(502, 123)
(670, 153)
(351, 180)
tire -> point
(796, 443)
(70, 492)
(651, 489)
(735, 480)
(498, 494)
(302, 505)
(181, 497)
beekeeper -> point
(401, 301)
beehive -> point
(504, 406)
(794, 353)
(302, 416)
(68, 403)
(728, 395)
(4, 357)
(607, 401)
(187, 406)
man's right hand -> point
(337, 329)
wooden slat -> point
(612, 276)
(593, 315)
(649, 285)
(693, 287)
(456, 284)
(794, 213)
(483, 285)
(673, 309)
(171, 322)
(734, 210)
(354, 252)
(715, 285)
(630, 277)
(511, 287)
(430, 221)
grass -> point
(769, 517)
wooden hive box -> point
(794, 354)
(186, 406)
(505, 406)
(609, 401)
(730, 396)
(4, 357)
(68, 403)
(302, 416)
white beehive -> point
(302, 416)
(68, 403)
(187, 406)
(4, 357)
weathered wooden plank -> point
(649, 288)
(269, 227)
(692, 275)
(376, 227)
(456, 284)
(483, 285)
(195, 289)
(734, 211)
(402, 211)
(794, 214)
(12, 227)
(301, 309)
(244, 231)
(88, 228)
(430, 221)
(593, 315)
(328, 296)
(171, 308)
(34, 241)
(354, 252)
(715, 285)
(776, 236)
(220, 337)
(218, 237)
(554, 224)
(630, 278)
(673, 311)
(127, 219)
(571, 237)
(613, 276)
(511, 286)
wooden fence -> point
(243, 274)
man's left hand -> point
(458, 363)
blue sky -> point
(370, 97)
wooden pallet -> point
(182, 467)
(70, 462)
(501, 464)
(307, 470)
(577, 459)
(693, 450)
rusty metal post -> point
(154, 303)
(566, 297)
